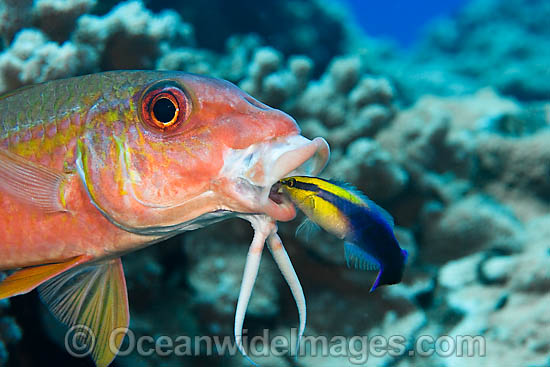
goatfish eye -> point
(164, 106)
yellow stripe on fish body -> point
(328, 186)
(342, 210)
(306, 193)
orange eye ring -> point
(164, 107)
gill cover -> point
(133, 161)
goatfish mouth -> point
(244, 186)
(252, 175)
(249, 184)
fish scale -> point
(27, 107)
(88, 173)
(68, 99)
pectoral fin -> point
(359, 259)
(307, 228)
(25, 280)
(93, 296)
(30, 182)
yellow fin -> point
(94, 297)
(30, 182)
(25, 280)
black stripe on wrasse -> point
(345, 206)
(360, 217)
(306, 186)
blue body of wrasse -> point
(343, 211)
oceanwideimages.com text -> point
(79, 342)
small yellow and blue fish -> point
(345, 212)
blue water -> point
(400, 20)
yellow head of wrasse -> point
(314, 196)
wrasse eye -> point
(164, 106)
(290, 182)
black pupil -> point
(164, 110)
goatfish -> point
(366, 228)
(96, 166)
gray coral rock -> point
(473, 224)
(33, 58)
(131, 36)
(368, 166)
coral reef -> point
(131, 36)
(467, 51)
(128, 37)
(451, 139)
(321, 39)
(503, 297)
(32, 58)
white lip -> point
(250, 173)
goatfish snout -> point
(348, 214)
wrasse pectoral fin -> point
(25, 280)
(359, 258)
(31, 183)
(307, 228)
(95, 297)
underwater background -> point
(440, 113)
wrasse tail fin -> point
(95, 297)
(30, 182)
(359, 258)
(387, 277)
(391, 273)
(25, 280)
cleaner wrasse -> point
(345, 212)
(94, 167)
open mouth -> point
(304, 158)
(276, 195)
(278, 206)
(255, 185)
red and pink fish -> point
(97, 166)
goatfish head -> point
(189, 150)
(179, 151)
(156, 153)
(345, 212)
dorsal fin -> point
(368, 202)
(381, 211)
